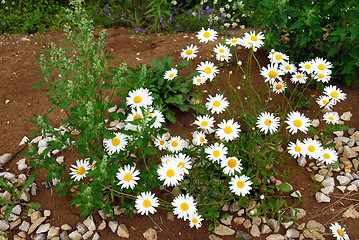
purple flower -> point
(189, 12)
(163, 25)
(161, 20)
(175, 10)
(138, 30)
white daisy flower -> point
(297, 121)
(176, 144)
(207, 35)
(228, 130)
(216, 152)
(161, 141)
(136, 114)
(199, 79)
(221, 49)
(159, 118)
(335, 93)
(233, 41)
(296, 149)
(287, 67)
(240, 186)
(166, 159)
(189, 52)
(127, 177)
(171, 74)
(184, 162)
(217, 104)
(267, 122)
(139, 98)
(231, 165)
(184, 206)
(321, 64)
(279, 87)
(323, 76)
(199, 138)
(195, 220)
(306, 66)
(271, 73)
(146, 203)
(312, 147)
(80, 170)
(328, 156)
(116, 144)
(205, 122)
(331, 117)
(207, 70)
(224, 57)
(252, 40)
(338, 231)
(325, 102)
(277, 57)
(298, 77)
(170, 173)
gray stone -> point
(355, 176)
(47, 213)
(113, 226)
(66, 227)
(24, 226)
(275, 237)
(227, 221)
(81, 228)
(286, 225)
(273, 224)
(240, 212)
(339, 133)
(90, 224)
(12, 217)
(312, 224)
(122, 231)
(5, 158)
(36, 224)
(256, 220)
(299, 211)
(349, 152)
(296, 194)
(15, 224)
(315, 123)
(255, 231)
(346, 116)
(328, 182)
(22, 234)
(327, 190)
(239, 220)
(356, 183)
(223, 230)
(247, 223)
(96, 236)
(352, 187)
(351, 143)
(312, 234)
(242, 235)
(318, 177)
(292, 233)
(102, 225)
(87, 235)
(225, 207)
(64, 236)
(4, 225)
(321, 197)
(40, 237)
(118, 211)
(150, 234)
(234, 207)
(53, 232)
(43, 228)
(351, 212)
(302, 161)
(343, 180)
(75, 235)
(342, 188)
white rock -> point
(343, 180)
(113, 225)
(21, 165)
(113, 109)
(356, 183)
(346, 116)
(47, 213)
(66, 227)
(16, 210)
(286, 225)
(352, 187)
(96, 236)
(339, 133)
(87, 235)
(342, 188)
(36, 140)
(90, 224)
(273, 224)
(122, 231)
(328, 182)
(351, 212)
(21, 179)
(265, 229)
(75, 235)
(53, 232)
(150, 234)
(227, 221)
(292, 233)
(15, 224)
(60, 159)
(321, 197)
(33, 189)
(24, 226)
(299, 211)
(312, 224)
(318, 177)
(275, 237)
(23, 141)
(315, 123)
(102, 225)
(223, 230)
(255, 231)
(5, 158)
(4, 225)
(327, 190)
(43, 228)
(302, 161)
(355, 136)
(36, 224)
(13, 217)
(349, 152)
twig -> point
(155, 223)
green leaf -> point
(110, 58)
(34, 205)
(312, 130)
(284, 187)
(171, 116)
(37, 86)
(69, 48)
(150, 150)
(335, 164)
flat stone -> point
(81, 228)
(351, 212)
(64, 235)
(12, 217)
(342, 188)
(234, 207)
(327, 190)
(315, 123)
(242, 235)
(66, 227)
(302, 161)
(312, 234)
(240, 212)
(286, 225)
(295, 194)
(227, 221)
(102, 225)
(21, 164)
(43, 228)
(312, 224)
(47, 213)
(255, 231)
(328, 182)
(5, 158)
(24, 226)
(256, 220)
(355, 136)
(15, 224)
(122, 231)
(343, 180)
(4, 225)
(90, 224)
(292, 233)
(239, 220)
(118, 211)
(53, 232)
(75, 235)
(214, 237)
(223, 230)
(265, 229)
(247, 223)
(150, 234)
(16, 237)
(113, 226)
(300, 213)
(225, 207)
(36, 224)
(22, 234)
(321, 197)
(346, 116)
(87, 235)
(96, 236)
(275, 237)
(273, 224)
(318, 177)
(339, 133)
(349, 152)
(40, 236)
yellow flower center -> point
(216, 153)
(137, 99)
(184, 206)
(278, 86)
(334, 94)
(162, 142)
(232, 163)
(272, 74)
(307, 66)
(127, 177)
(221, 50)
(278, 57)
(115, 142)
(240, 184)
(311, 148)
(174, 144)
(146, 203)
(137, 116)
(287, 67)
(216, 103)
(170, 173)
(228, 130)
(171, 75)
(325, 102)
(331, 118)
(254, 38)
(202, 139)
(194, 220)
(268, 122)
(234, 41)
(299, 76)
(321, 66)
(326, 155)
(321, 75)
(188, 51)
(340, 232)
(81, 171)
(297, 123)
(180, 164)
(297, 148)
(199, 80)
(206, 34)
(204, 123)
(208, 70)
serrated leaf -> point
(34, 205)
(171, 116)
(312, 130)
(150, 150)
(284, 187)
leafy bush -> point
(304, 29)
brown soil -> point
(17, 57)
